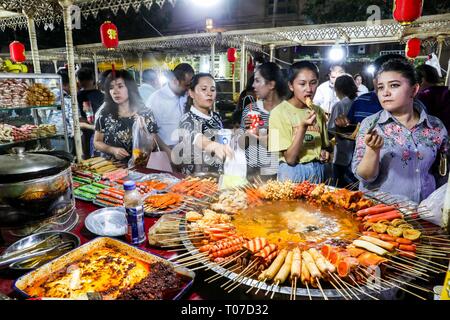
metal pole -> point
(213, 55)
(272, 53)
(243, 66)
(141, 67)
(65, 4)
(96, 68)
(33, 42)
(124, 63)
(440, 41)
(447, 79)
(55, 65)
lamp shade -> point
(412, 49)
(109, 35)
(17, 51)
(232, 54)
(407, 11)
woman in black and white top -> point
(114, 120)
(270, 88)
(198, 130)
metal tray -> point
(63, 261)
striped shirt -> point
(257, 154)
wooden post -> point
(272, 53)
(213, 55)
(243, 67)
(65, 4)
(33, 42)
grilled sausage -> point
(271, 272)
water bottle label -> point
(135, 218)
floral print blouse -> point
(119, 132)
(407, 156)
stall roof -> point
(49, 11)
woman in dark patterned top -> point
(114, 121)
(198, 130)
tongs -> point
(11, 259)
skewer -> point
(358, 288)
(321, 290)
(293, 289)
(270, 289)
(372, 284)
(348, 287)
(218, 276)
(239, 275)
(439, 238)
(193, 257)
(340, 285)
(262, 283)
(184, 254)
(431, 268)
(243, 280)
(273, 291)
(227, 262)
(192, 263)
(401, 288)
(410, 284)
(307, 289)
(337, 289)
(405, 270)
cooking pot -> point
(33, 187)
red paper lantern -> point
(17, 51)
(109, 35)
(232, 54)
(412, 49)
(250, 66)
(407, 11)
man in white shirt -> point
(169, 103)
(325, 96)
(362, 89)
(150, 83)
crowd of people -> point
(335, 132)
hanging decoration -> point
(109, 35)
(407, 11)
(232, 56)
(110, 40)
(250, 65)
(412, 49)
(17, 51)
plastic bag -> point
(235, 169)
(435, 204)
(142, 143)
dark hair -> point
(270, 71)
(102, 79)
(427, 73)
(64, 76)
(296, 67)
(182, 70)
(378, 62)
(333, 66)
(346, 85)
(85, 74)
(358, 75)
(149, 75)
(135, 99)
(194, 83)
(401, 66)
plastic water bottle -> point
(135, 213)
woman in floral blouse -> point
(397, 147)
(114, 120)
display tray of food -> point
(110, 268)
(311, 241)
(196, 187)
(163, 203)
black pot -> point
(33, 187)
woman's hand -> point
(223, 151)
(341, 121)
(373, 140)
(120, 153)
(309, 121)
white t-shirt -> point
(168, 108)
(362, 89)
(325, 97)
